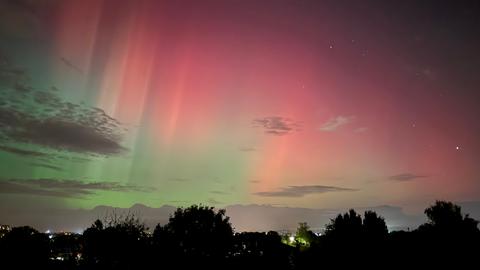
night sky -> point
(302, 104)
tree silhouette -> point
(197, 234)
(448, 218)
(349, 235)
(304, 236)
(343, 237)
(374, 226)
(444, 214)
(201, 237)
(346, 225)
(120, 244)
(260, 250)
(448, 236)
(24, 247)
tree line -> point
(202, 238)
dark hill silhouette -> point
(244, 217)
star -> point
(457, 148)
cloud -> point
(70, 65)
(178, 201)
(213, 201)
(59, 133)
(300, 191)
(62, 187)
(218, 192)
(42, 118)
(406, 177)
(21, 152)
(277, 125)
(48, 166)
(334, 123)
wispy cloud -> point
(70, 65)
(300, 191)
(219, 192)
(277, 125)
(213, 201)
(63, 187)
(334, 123)
(178, 201)
(48, 166)
(21, 152)
(406, 177)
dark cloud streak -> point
(69, 64)
(21, 152)
(406, 177)
(219, 192)
(48, 166)
(301, 191)
(63, 187)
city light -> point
(292, 239)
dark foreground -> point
(199, 237)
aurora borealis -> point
(313, 104)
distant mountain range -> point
(243, 217)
